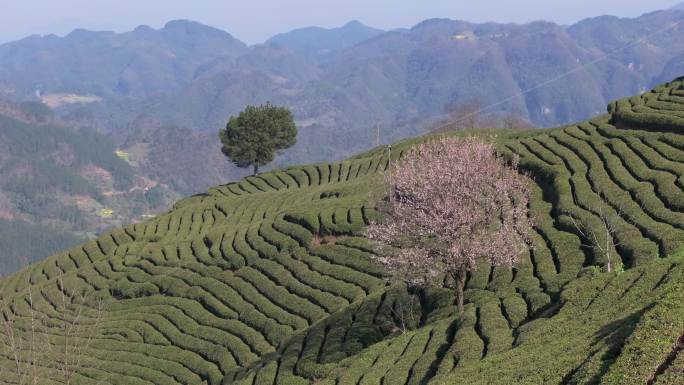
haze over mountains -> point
(61, 184)
(154, 262)
(315, 42)
(193, 75)
(340, 82)
(161, 95)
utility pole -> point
(377, 135)
(389, 168)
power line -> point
(564, 75)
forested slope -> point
(61, 184)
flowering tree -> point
(453, 202)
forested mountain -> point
(134, 64)
(160, 96)
(194, 76)
(316, 42)
(61, 184)
(399, 78)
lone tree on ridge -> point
(257, 134)
(453, 202)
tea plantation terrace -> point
(269, 281)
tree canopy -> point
(254, 137)
(454, 202)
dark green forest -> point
(23, 243)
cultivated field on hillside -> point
(268, 281)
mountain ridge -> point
(144, 87)
(318, 42)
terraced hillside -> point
(267, 281)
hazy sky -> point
(253, 21)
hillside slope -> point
(266, 281)
(61, 181)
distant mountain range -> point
(317, 42)
(136, 64)
(343, 84)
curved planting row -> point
(303, 177)
(599, 327)
(610, 329)
(268, 281)
(619, 191)
(661, 109)
(213, 286)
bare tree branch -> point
(605, 239)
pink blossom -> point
(454, 202)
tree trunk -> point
(460, 279)
(256, 168)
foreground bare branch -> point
(55, 352)
(604, 239)
(24, 345)
(76, 333)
